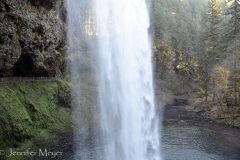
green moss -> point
(42, 54)
(33, 35)
(30, 7)
(66, 77)
(33, 113)
(9, 23)
(15, 37)
(35, 9)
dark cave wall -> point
(32, 37)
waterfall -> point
(127, 123)
(126, 87)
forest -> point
(196, 48)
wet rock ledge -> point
(32, 37)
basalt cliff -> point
(32, 37)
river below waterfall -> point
(185, 136)
(189, 136)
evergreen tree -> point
(213, 35)
(233, 25)
(174, 28)
(210, 46)
(157, 21)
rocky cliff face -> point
(32, 37)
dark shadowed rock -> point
(32, 37)
(48, 4)
(180, 102)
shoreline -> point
(181, 115)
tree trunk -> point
(238, 97)
(213, 99)
(235, 98)
(182, 85)
(224, 115)
(206, 98)
(206, 95)
(232, 116)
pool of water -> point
(197, 143)
(183, 137)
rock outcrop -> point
(32, 37)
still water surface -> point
(197, 143)
(184, 137)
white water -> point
(126, 87)
(129, 127)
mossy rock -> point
(32, 114)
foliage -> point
(233, 25)
(163, 54)
(199, 41)
(175, 33)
